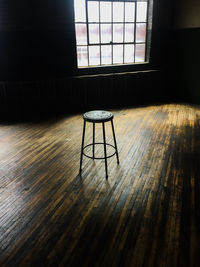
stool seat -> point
(98, 116)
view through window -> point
(110, 32)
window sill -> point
(116, 72)
(144, 66)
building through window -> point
(111, 32)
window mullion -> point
(135, 29)
(147, 26)
(87, 25)
(112, 30)
(124, 33)
(99, 33)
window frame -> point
(124, 67)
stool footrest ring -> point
(99, 157)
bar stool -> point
(98, 116)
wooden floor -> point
(146, 214)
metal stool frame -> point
(93, 145)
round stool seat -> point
(98, 116)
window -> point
(111, 32)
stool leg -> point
(93, 140)
(105, 155)
(113, 130)
(82, 146)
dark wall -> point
(187, 14)
(163, 16)
(36, 39)
(186, 50)
(185, 64)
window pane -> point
(141, 11)
(117, 33)
(129, 32)
(117, 54)
(93, 11)
(118, 12)
(140, 32)
(93, 33)
(94, 55)
(139, 52)
(79, 10)
(110, 21)
(106, 33)
(106, 54)
(105, 11)
(129, 53)
(81, 34)
(129, 12)
(82, 56)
